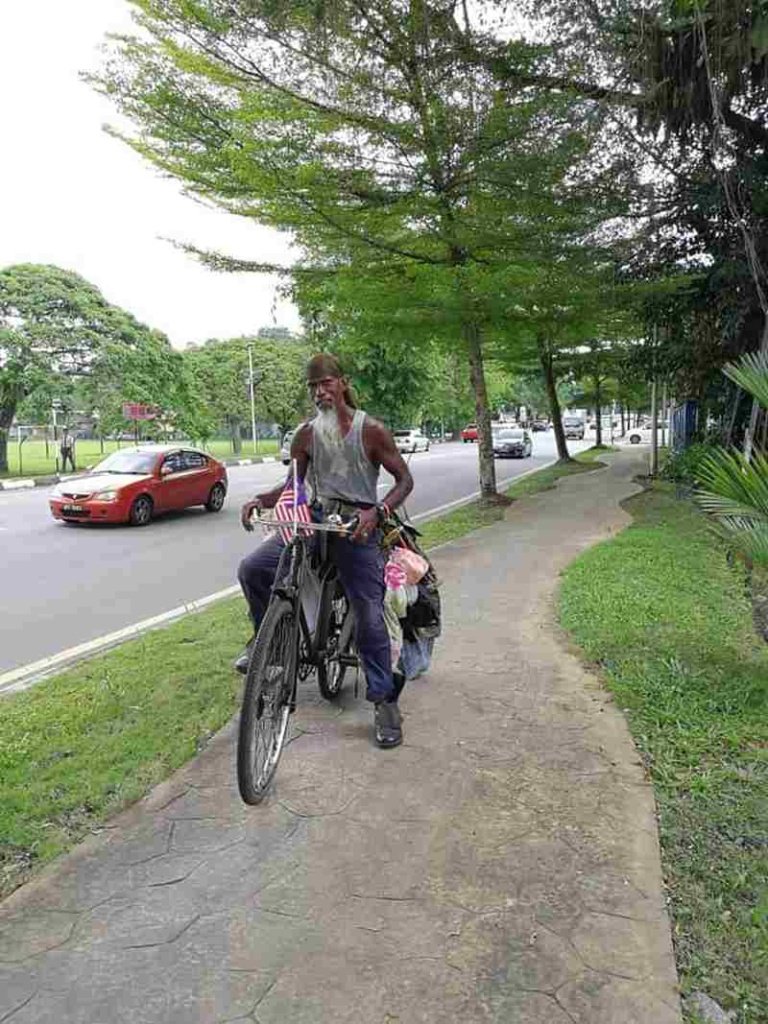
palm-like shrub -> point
(734, 491)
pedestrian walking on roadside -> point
(67, 451)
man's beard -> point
(327, 426)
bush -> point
(682, 467)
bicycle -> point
(289, 646)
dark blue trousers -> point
(361, 572)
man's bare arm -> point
(382, 451)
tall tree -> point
(687, 84)
(364, 128)
(221, 368)
(56, 328)
(594, 367)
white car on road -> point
(411, 441)
(642, 435)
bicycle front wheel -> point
(269, 687)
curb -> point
(26, 675)
(23, 483)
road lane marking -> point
(24, 676)
(16, 485)
(21, 678)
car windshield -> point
(404, 433)
(127, 462)
(572, 422)
(510, 435)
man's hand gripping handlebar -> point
(251, 516)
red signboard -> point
(137, 411)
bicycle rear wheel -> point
(269, 687)
(339, 654)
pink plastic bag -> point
(395, 575)
(412, 562)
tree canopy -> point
(368, 131)
(57, 332)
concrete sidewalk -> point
(501, 866)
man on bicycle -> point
(341, 451)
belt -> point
(339, 507)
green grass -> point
(545, 479)
(82, 745)
(35, 462)
(669, 621)
(222, 449)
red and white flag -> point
(292, 506)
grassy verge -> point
(35, 461)
(671, 625)
(84, 744)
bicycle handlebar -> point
(333, 524)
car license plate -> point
(72, 508)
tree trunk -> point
(623, 428)
(654, 431)
(235, 432)
(7, 412)
(555, 414)
(487, 467)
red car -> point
(132, 485)
(469, 433)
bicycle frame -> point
(292, 572)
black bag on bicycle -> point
(424, 614)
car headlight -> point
(106, 495)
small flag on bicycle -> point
(293, 506)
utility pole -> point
(654, 409)
(253, 401)
(654, 435)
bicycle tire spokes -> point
(267, 702)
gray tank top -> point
(344, 473)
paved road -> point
(61, 585)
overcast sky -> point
(73, 196)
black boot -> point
(387, 724)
